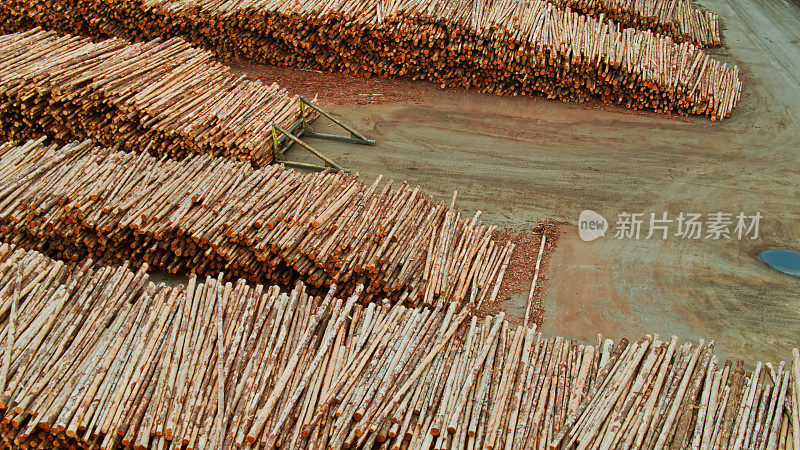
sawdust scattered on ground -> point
(520, 271)
(335, 88)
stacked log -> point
(501, 47)
(164, 96)
(209, 214)
(98, 357)
(680, 20)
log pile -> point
(680, 20)
(164, 96)
(502, 47)
(662, 395)
(209, 214)
(98, 357)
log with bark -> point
(681, 20)
(103, 358)
(209, 214)
(503, 47)
(163, 96)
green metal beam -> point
(278, 129)
(283, 139)
(354, 138)
(308, 166)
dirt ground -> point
(522, 160)
(514, 296)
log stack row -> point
(97, 357)
(163, 96)
(662, 395)
(208, 214)
(681, 20)
(502, 47)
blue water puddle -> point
(782, 259)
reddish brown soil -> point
(519, 274)
(336, 88)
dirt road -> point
(524, 159)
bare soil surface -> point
(335, 88)
(523, 160)
(514, 295)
